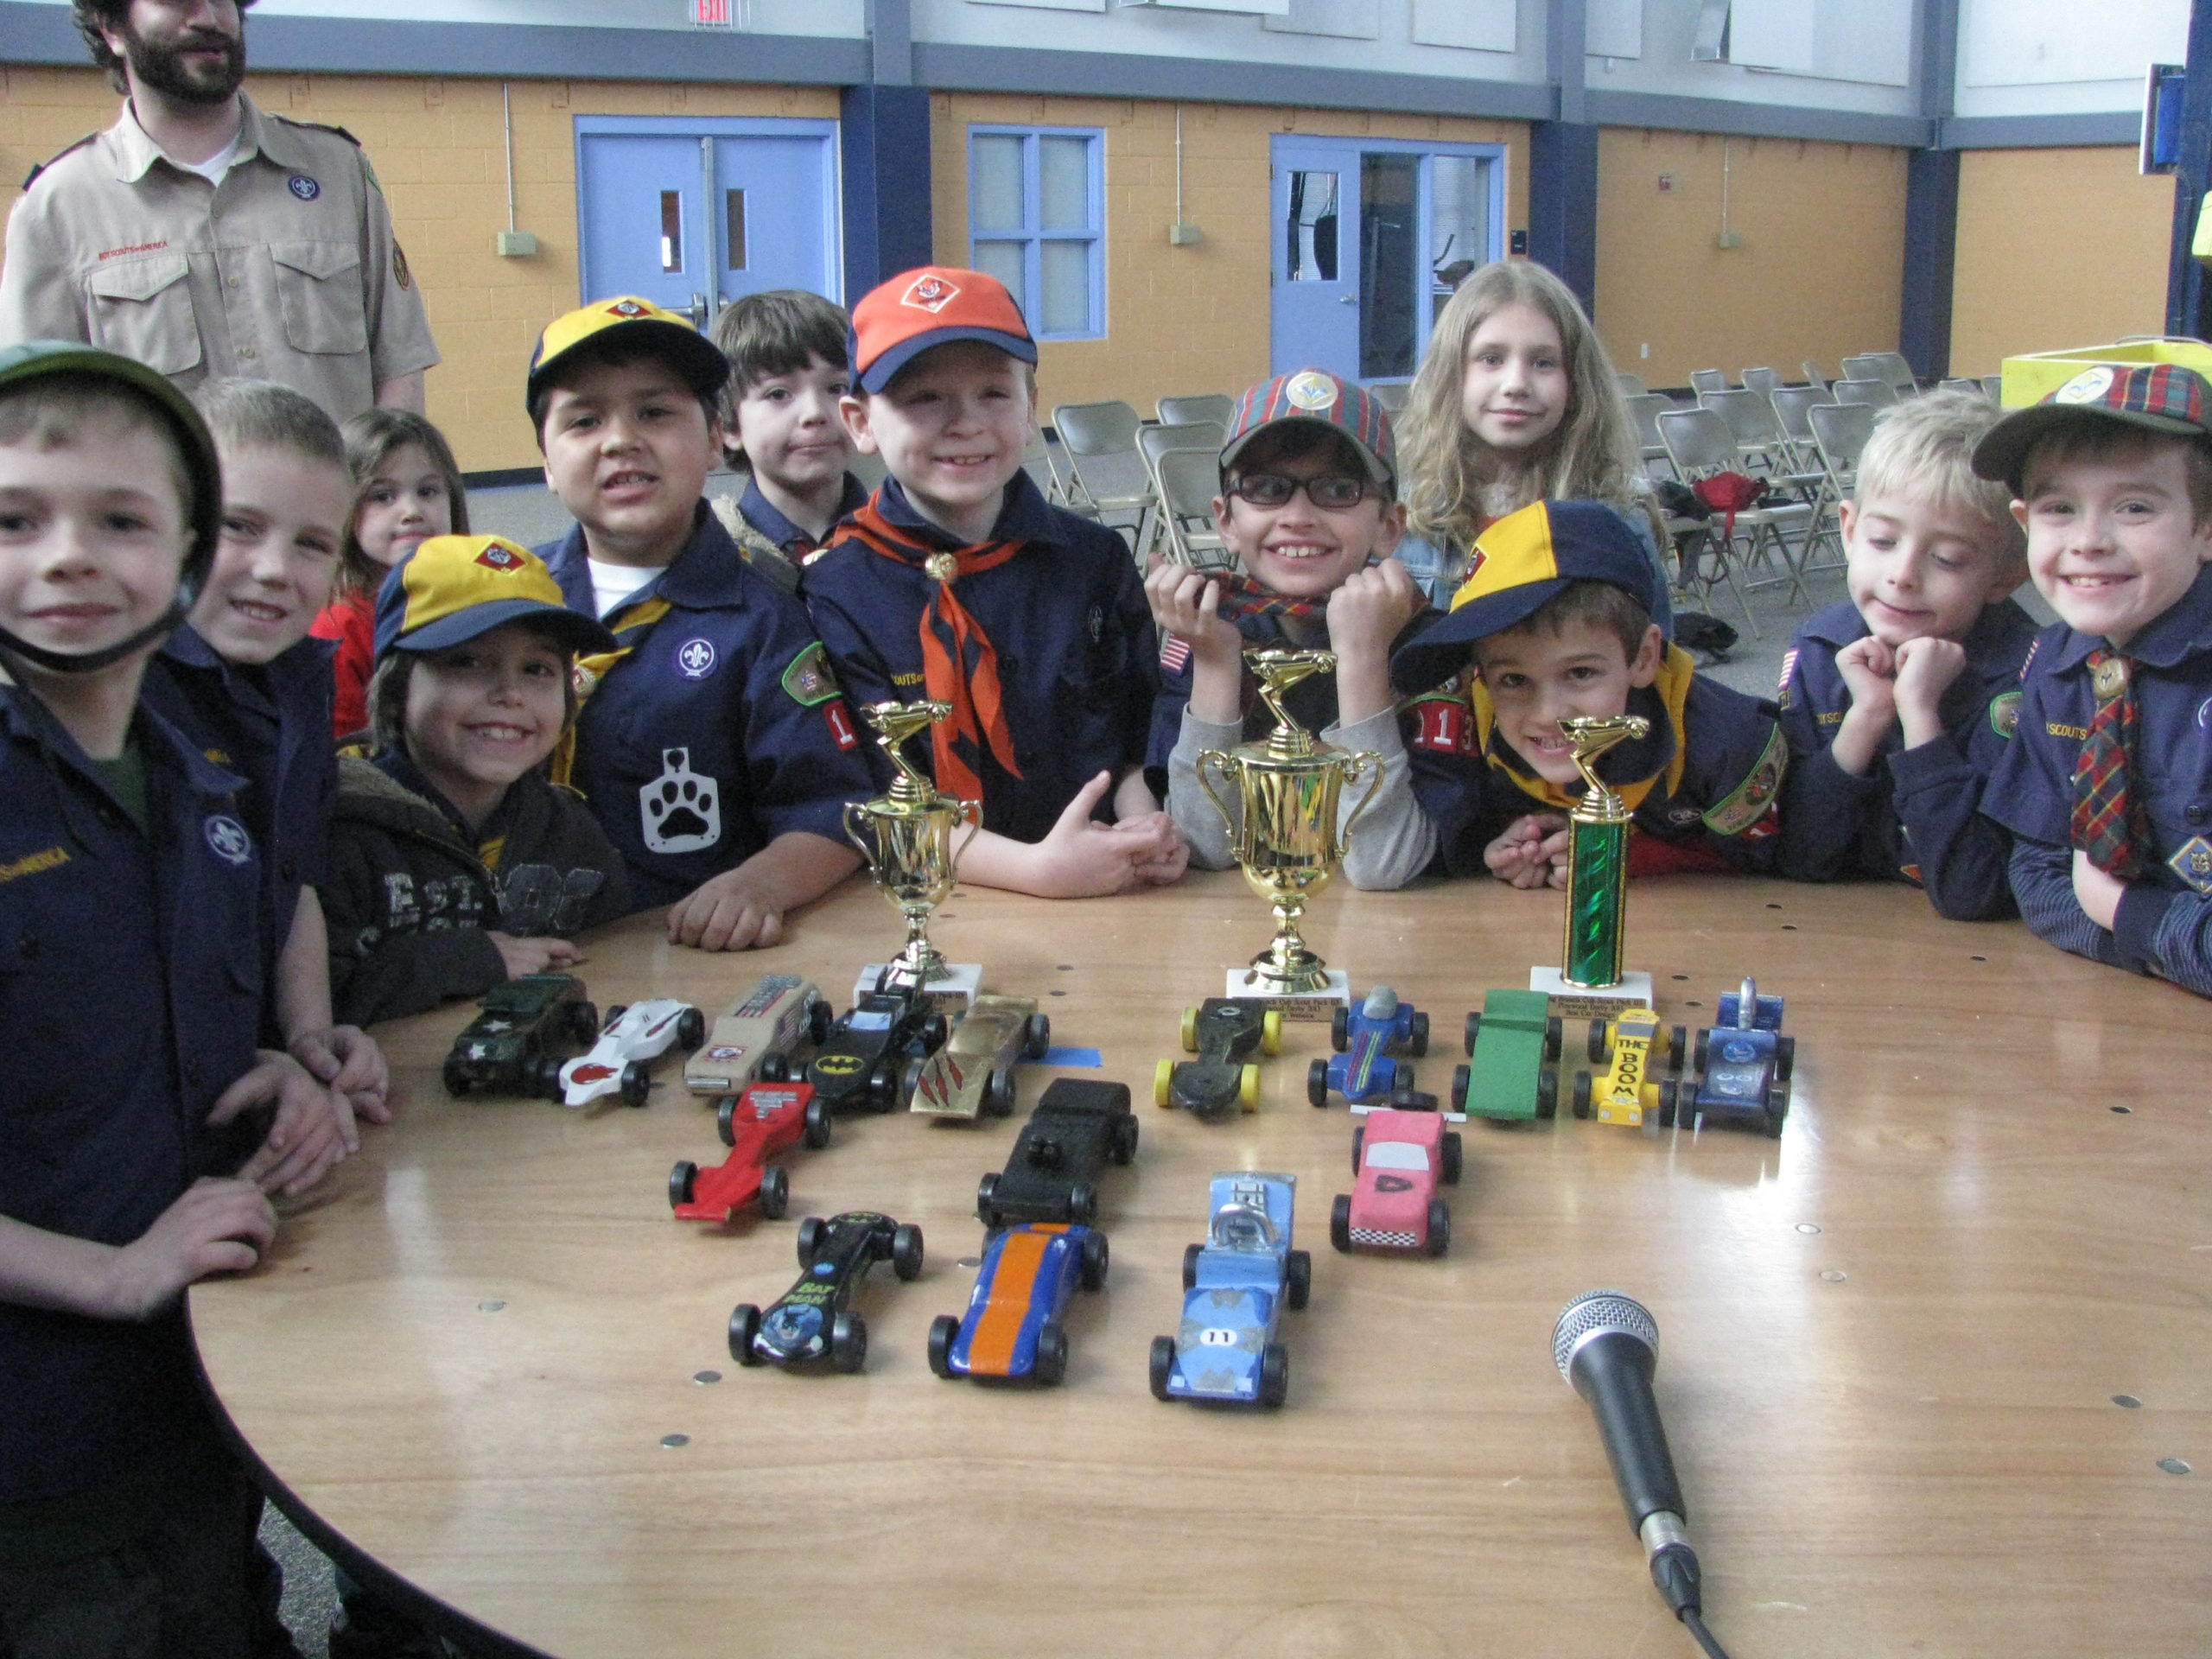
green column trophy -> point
(1591, 980)
(1283, 829)
(906, 837)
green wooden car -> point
(1510, 1044)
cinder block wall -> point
(1178, 320)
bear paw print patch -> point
(682, 809)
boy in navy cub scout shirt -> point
(1554, 621)
(1896, 702)
(788, 372)
(960, 583)
(713, 744)
(1309, 506)
(131, 896)
(2106, 784)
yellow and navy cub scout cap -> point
(2162, 397)
(1518, 563)
(632, 326)
(453, 588)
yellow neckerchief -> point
(1673, 686)
(631, 626)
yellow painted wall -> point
(1817, 276)
(1178, 320)
(2056, 248)
(438, 148)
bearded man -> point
(208, 238)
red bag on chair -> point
(1728, 493)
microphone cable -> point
(1714, 1649)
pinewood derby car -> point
(1052, 1173)
(1235, 1287)
(620, 1062)
(1739, 1070)
(811, 1326)
(973, 1073)
(872, 1055)
(775, 1017)
(1369, 1040)
(1632, 1048)
(1224, 1032)
(1397, 1158)
(755, 1126)
(1508, 1041)
(1012, 1330)
(503, 1050)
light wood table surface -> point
(1892, 1342)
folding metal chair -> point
(1644, 410)
(1812, 375)
(1154, 441)
(1763, 381)
(1974, 386)
(1877, 394)
(1207, 406)
(1189, 480)
(1699, 444)
(1109, 475)
(1840, 431)
(1704, 380)
(1767, 452)
(1887, 366)
(1392, 395)
(1994, 386)
(1632, 385)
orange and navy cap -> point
(2161, 397)
(1517, 565)
(647, 330)
(453, 588)
(1316, 397)
(897, 320)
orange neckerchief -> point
(949, 672)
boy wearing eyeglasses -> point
(1308, 505)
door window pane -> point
(671, 230)
(1311, 229)
(733, 220)
(1065, 183)
(1391, 279)
(1459, 219)
(1004, 261)
(994, 182)
(1066, 281)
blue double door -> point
(693, 212)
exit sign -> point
(713, 14)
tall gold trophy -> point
(1597, 879)
(1283, 828)
(906, 837)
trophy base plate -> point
(949, 991)
(1592, 1003)
(1301, 1005)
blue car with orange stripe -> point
(1011, 1332)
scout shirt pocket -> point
(47, 1111)
(142, 308)
(319, 290)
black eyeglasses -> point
(1333, 492)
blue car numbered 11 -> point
(1235, 1286)
(1011, 1332)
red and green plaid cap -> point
(2161, 397)
(1318, 399)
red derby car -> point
(756, 1126)
(1398, 1156)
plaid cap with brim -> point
(896, 321)
(2162, 397)
(452, 588)
(632, 326)
(1318, 399)
(1517, 566)
(36, 359)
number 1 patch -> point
(840, 723)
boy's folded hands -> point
(307, 1135)
(346, 1060)
(1531, 853)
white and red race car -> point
(633, 1037)
(1398, 1156)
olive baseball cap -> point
(2161, 397)
(631, 324)
(453, 588)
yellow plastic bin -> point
(2034, 377)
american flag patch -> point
(1788, 667)
(1174, 652)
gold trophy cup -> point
(906, 837)
(1283, 828)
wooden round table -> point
(1927, 1361)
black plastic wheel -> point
(1439, 1227)
(1091, 1273)
(690, 1028)
(1402, 1081)
(1274, 1376)
(986, 1210)
(1582, 1094)
(810, 1239)
(998, 1094)
(943, 1331)
(819, 1018)
(1700, 1050)
(583, 1022)
(934, 1031)
(683, 1181)
(818, 1120)
(1190, 1265)
(1597, 1044)
(1454, 1157)
(910, 1081)
(906, 1251)
(1417, 1034)
(1051, 1363)
(1553, 1034)
(881, 1093)
(1474, 1028)
(1036, 1036)
(1359, 1144)
(1778, 1108)
(847, 1343)
(1123, 1145)
(1340, 1029)
(775, 1192)
(614, 1011)
(1678, 1047)
(1297, 1277)
(726, 1119)
(1317, 1083)
(1463, 1076)
(542, 1075)
(637, 1083)
(744, 1325)
(1340, 1221)
(1082, 1203)
(454, 1076)
(1670, 1097)
(1786, 1056)
(1162, 1366)
(1546, 1094)
(775, 1066)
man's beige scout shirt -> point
(286, 272)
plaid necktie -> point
(2108, 821)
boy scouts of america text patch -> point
(1755, 796)
(808, 679)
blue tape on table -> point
(1073, 1057)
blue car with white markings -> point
(1739, 1070)
(1235, 1287)
(1366, 1069)
(1011, 1332)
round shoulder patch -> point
(228, 840)
(695, 658)
(303, 186)
(2085, 387)
(2005, 714)
(1310, 391)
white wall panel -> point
(2061, 57)
(1353, 20)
